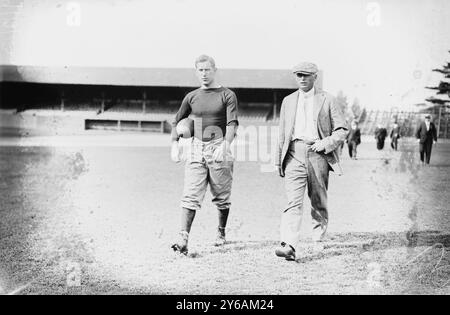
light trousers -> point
(305, 169)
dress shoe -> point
(181, 246)
(285, 251)
(220, 239)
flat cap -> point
(305, 67)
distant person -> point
(380, 136)
(426, 134)
(214, 110)
(353, 139)
(306, 153)
(395, 135)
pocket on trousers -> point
(228, 156)
(223, 166)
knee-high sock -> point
(223, 218)
(187, 218)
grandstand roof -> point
(182, 77)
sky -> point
(380, 52)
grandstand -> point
(130, 99)
(78, 99)
(408, 121)
(257, 112)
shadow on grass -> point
(232, 247)
(438, 165)
(337, 244)
(366, 159)
(352, 243)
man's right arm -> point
(434, 133)
(281, 139)
(184, 112)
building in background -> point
(130, 98)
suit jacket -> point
(354, 135)
(380, 133)
(330, 124)
(424, 135)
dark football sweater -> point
(212, 111)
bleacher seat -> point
(151, 107)
(254, 112)
(58, 113)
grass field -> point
(101, 219)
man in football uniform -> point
(213, 109)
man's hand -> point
(281, 171)
(176, 152)
(222, 152)
(418, 140)
(318, 146)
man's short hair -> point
(205, 58)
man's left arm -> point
(232, 117)
(220, 153)
(359, 137)
(339, 129)
(231, 132)
(434, 133)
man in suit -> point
(395, 135)
(353, 139)
(312, 127)
(426, 134)
(380, 136)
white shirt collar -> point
(307, 94)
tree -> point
(341, 101)
(356, 109)
(442, 98)
(443, 89)
(363, 116)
